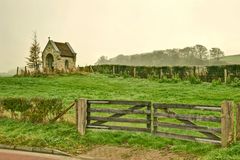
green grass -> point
(64, 136)
(102, 87)
(233, 59)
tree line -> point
(196, 55)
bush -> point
(175, 79)
(164, 79)
(216, 82)
(34, 109)
(194, 80)
(235, 82)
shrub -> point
(235, 82)
(194, 80)
(164, 79)
(34, 109)
(175, 79)
(216, 82)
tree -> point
(216, 53)
(102, 60)
(201, 52)
(34, 58)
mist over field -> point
(112, 27)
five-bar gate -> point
(201, 123)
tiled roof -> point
(65, 49)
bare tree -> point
(201, 52)
(102, 60)
(34, 57)
(216, 53)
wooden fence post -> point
(161, 73)
(17, 71)
(149, 117)
(225, 75)
(155, 120)
(81, 115)
(238, 123)
(113, 69)
(25, 70)
(134, 72)
(227, 123)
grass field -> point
(64, 136)
(233, 59)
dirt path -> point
(123, 153)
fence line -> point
(205, 73)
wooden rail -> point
(157, 122)
(134, 108)
(187, 122)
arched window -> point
(66, 64)
(49, 61)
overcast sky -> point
(112, 27)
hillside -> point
(194, 55)
(233, 59)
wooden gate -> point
(113, 114)
(201, 123)
(185, 118)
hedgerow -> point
(34, 109)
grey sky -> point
(112, 27)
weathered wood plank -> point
(155, 120)
(62, 113)
(116, 119)
(187, 106)
(119, 128)
(189, 117)
(188, 122)
(88, 112)
(119, 114)
(119, 102)
(227, 123)
(149, 117)
(189, 127)
(81, 104)
(123, 111)
(238, 123)
(187, 137)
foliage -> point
(231, 153)
(235, 82)
(205, 73)
(216, 53)
(216, 82)
(202, 51)
(194, 80)
(34, 109)
(34, 58)
(194, 55)
(102, 60)
(175, 79)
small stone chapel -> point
(58, 56)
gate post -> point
(227, 123)
(81, 115)
(149, 117)
(238, 123)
